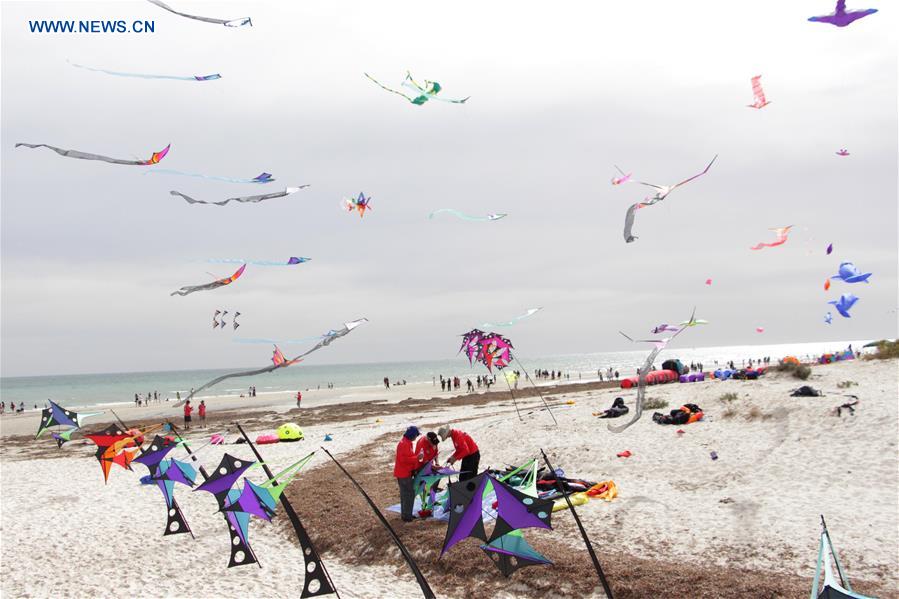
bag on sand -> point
(806, 391)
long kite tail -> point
(224, 377)
(315, 568)
(596, 565)
(425, 588)
(641, 390)
(382, 86)
(226, 22)
(212, 77)
(629, 222)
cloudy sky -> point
(559, 94)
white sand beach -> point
(782, 461)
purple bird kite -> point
(841, 17)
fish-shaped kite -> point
(154, 158)
(844, 304)
(187, 290)
(662, 192)
(425, 92)
(842, 17)
(624, 178)
(780, 232)
(290, 261)
(463, 216)
(758, 93)
(361, 204)
(260, 178)
(212, 77)
(244, 199)
(842, 152)
(849, 273)
(225, 22)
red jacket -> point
(463, 444)
(188, 409)
(202, 410)
(424, 446)
(406, 460)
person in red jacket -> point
(187, 410)
(465, 449)
(201, 411)
(404, 468)
(427, 448)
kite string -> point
(513, 398)
(537, 389)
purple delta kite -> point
(56, 415)
(221, 484)
(260, 499)
(165, 473)
(842, 17)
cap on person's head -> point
(444, 432)
(411, 432)
(432, 437)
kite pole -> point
(425, 588)
(310, 555)
(537, 389)
(602, 576)
(513, 400)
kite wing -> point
(243, 199)
(225, 22)
(465, 508)
(154, 159)
(187, 290)
(685, 181)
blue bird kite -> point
(844, 304)
(850, 273)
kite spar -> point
(425, 588)
(317, 580)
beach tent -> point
(675, 365)
(829, 587)
(289, 431)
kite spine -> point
(425, 588)
(602, 576)
(310, 555)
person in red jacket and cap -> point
(465, 449)
(404, 468)
(427, 448)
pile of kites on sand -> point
(514, 507)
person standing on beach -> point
(465, 449)
(386, 383)
(426, 449)
(299, 398)
(404, 467)
(187, 410)
(202, 413)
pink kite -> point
(708, 281)
(758, 93)
(624, 178)
(759, 329)
(843, 152)
(781, 233)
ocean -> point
(79, 390)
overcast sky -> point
(559, 94)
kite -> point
(590, 550)
(63, 437)
(463, 216)
(828, 318)
(494, 350)
(844, 304)
(56, 415)
(243, 199)
(849, 273)
(693, 322)
(664, 328)
(624, 178)
(259, 499)
(212, 77)
(841, 17)
(758, 93)
(153, 457)
(293, 260)
(187, 290)
(829, 249)
(759, 329)
(843, 152)
(780, 232)
(424, 93)
(154, 158)
(708, 281)
(422, 583)
(471, 344)
(659, 344)
(360, 203)
(225, 22)
(111, 445)
(260, 178)
(220, 485)
(826, 284)
(509, 323)
(234, 320)
(317, 579)
(278, 359)
(662, 192)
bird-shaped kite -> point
(425, 92)
(780, 232)
(187, 290)
(849, 273)
(828, 318)
(361, 204)
(758, 93)
(662, 192)
(154, 158)
(844, 304)
(843, 152)
(841, 17)
(624, 178)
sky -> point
(89, 251)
